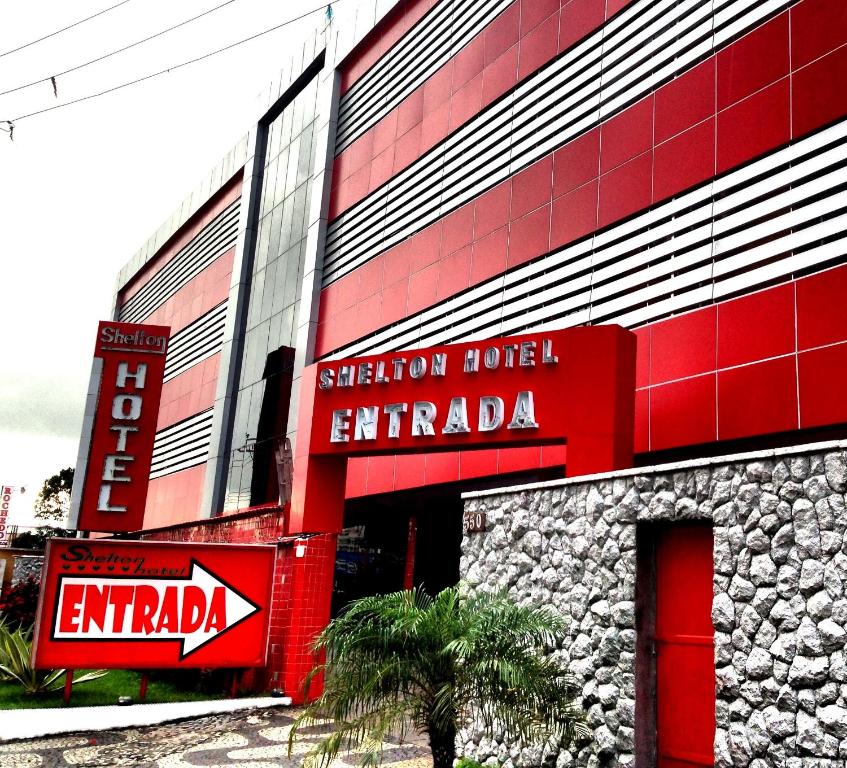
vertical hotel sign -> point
(116, 447)
(6, 492)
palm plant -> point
(408, 660)
(15, 665)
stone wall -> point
(779, 607)
(27, 566)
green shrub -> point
(15, 664)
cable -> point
(65, 29)
(119, 50)
(170, 69)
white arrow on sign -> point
(195, 610)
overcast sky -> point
(81, 188)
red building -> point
(436, 172)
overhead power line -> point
(119, 50)
(65, 29)
(171, 68)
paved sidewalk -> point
(31, 723)
(254, 738)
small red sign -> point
(148, 605)
(129, 367)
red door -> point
(685, 663)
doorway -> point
(678, 560)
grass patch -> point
(106, 690)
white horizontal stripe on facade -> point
(421, 52)
(782, 214)
(214, 239)
(649, 43)
(182, 445)
(197, 341)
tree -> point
(54, 498)
(408, 660)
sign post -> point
(153, 605)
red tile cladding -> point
(458, 229)
(756, 327)
(817, 27)
(409, 471)
(197, 296)
(627, 134)
(380, 474)
(576, 163)
(574, 215)
(756, 60)
(819, 95)
(491, 209)
(455, 273)
(401, 18)
(466, 102)
(538, 46)
(469, 62)
(489, 256)
(683, 345)
(174, 498)
(477, 463)
(230, 192)
(423, 289)
(189, 393)
(642, 357)
(578, 18)
(822, 374)
(757, 399)
(518, 459)
(410, 112)
(642, 420)
(385, 133)
(554, 455)
(442, 467)
(625, 190)
(684, 161)
(758, 124)
(683, 413)
(821, 314)
(502, 33)
(394, 301)
(533, 12)
(499, 76)
(357, 478)
(529, 237)
(532, 187)
(687, 100)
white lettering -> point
(491, 409)
(327, 375)
(340, 425)
(423, 415)
(417, 368)
(394, 411)
(120, 404)
(439, 364)
(366, 423)
(139, 375)
(523, 417)
(457, 417)
(471, 360)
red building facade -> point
(434, 172)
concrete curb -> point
(35, 723)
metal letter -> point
(380, 377)
(547, 355)
(340, 425)
(119, 407)
(491, 410)
(439, 364)
(471, 360)
(423, 414)
(417, 368)
(457, 417)
(365, 372)
(104, 501)
(366, 423)
(398, 363)
(527, 354)
(122, 431)
(327, 375)
(394, 410)
(112, 468)
(509, 349)
(523, 416)
(139, 375)
(491, 357)
(345, 375)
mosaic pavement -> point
(249, 739)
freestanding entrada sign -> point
(116, 446)
(151, 605)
